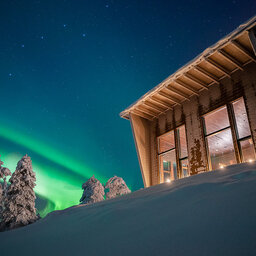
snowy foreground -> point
(208, 214)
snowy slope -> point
(208, 214)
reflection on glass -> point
(242, 123)
(182, 141)
(216, 120)
(184, 168)
(221, 149)
(168, 166)
(247, 149)
(166, 142)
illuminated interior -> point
(173, 155)
(221, 144)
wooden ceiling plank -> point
(252, 39)
(207, 74)
(231, 59)
(160, 102)
(177, 92)
(218, 67)
(243, 50)
(141, 114)
(195, 80)
(146, 111)
(153, 106)
(169, 97)
(186, 86)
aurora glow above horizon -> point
(69, 67)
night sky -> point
(68, 68)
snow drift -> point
(212, 213)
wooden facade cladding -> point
(221, 74)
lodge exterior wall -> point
(241, 83)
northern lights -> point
(68, 68)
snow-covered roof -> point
(228, 55)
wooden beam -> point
(140, 113)
(186, 86)
(153, 106)
(195, 80)
(252, 39)
(231, 59)
(165, 95)
(146, 111)
(160, 102)
(207, 74)
(218, 67)
(243, 50)
(177, 92)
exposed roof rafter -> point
(252, 39)
(165, 95)
(231, 59)
(207, 74)
(218, 66)
(146, 111)
(160, 102)
(186, 86)
(142, 114)
(177, 92)
(195, 80)
(243, 50)
(153, 106)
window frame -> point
(233, 128)
(176, 147)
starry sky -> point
(68, 68)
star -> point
(64, 25)
(106, 5)
(42, 37)
(10, 74)
(22, 45)
(83, 35)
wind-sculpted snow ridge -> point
(211, 214)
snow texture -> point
(4, 173)
(116, 187)
(19, 203)
(93, 191)
(212, 213)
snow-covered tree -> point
(4, 172)
(116, 186)
(19, 203)
(93, 191)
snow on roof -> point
(198, 59)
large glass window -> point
(219, 139)
(243, 131)
(183, 151)
(172, 150)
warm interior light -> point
(168, 180)
(222, 166)
(250, 160)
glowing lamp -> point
(250, 160)
(168, 180)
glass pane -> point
(242, 123)
(221, 149)
(247, 148)
(184, 168)
(182, 142)
(216, 120)
(168, 164)
(166, 142)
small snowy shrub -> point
(19, 203)
(4, 172)
(116, 186)
(93, 191)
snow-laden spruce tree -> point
(4, 173)
(93, 191)
(19, 203)
(116, 186)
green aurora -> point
(59, 178)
